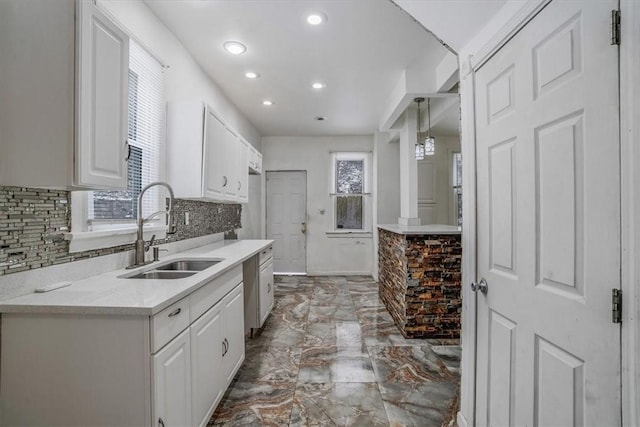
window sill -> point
(350, 234)
(90, 240)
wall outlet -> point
(186, 218)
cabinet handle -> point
(268, 288)
(175, 312)
(239, 185)
(128, 147)
(224, 181)
(160, 422)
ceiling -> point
(359, 53)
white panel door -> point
(213, 156)
(102, 112)
(286, 220)
(548, 204)
(207, 378)
(172, 383)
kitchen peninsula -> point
(420, 275)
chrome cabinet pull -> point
(224, 181)
(175, 312)
(239, 185)
(160, 422)
(481, 286)
(268, 288)
(128, 147)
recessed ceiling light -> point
(318, 85)
(267, 103)
(320, 118)
(251, 75)
(316, 18)
(235, 48)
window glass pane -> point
(121, 204)
(349, 212)
(349, 176)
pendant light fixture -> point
(429, 143)
(419, 146)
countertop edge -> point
(25, 304)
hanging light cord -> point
(428, 114)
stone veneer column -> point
(420, 281)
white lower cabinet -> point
(266, 289)
(169, 369)
(207, 377)
(233, 356)
(172, 383)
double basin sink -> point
(177, 269)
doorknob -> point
(304, 228)
(481, 286)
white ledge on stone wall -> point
(90, 240)
(352, 234)
(421, 229)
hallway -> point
(329, 354)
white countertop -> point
(109, 294)
(421, 229)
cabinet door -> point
(214, 162)
(102, 91)
(266, 290)
(207, 378)
(243, 171)
(233, 332)
(231, 152)
(172, 383)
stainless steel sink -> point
(188, 265)
(157, 274)
(178, 269)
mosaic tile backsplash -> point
(33, 223)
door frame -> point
(630, 204)
(306, 209)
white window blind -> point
(146, 136)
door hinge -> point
(616, 306)
(615, 27)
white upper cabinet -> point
(243, 178)
(103, 68)
(206, 159)
(64, 96)
(255, 161)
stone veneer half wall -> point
(33, 223)
(420, 280)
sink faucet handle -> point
(150, 243)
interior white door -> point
(548, 209)
(286, 220)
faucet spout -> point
(141, 247)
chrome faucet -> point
(141, 245)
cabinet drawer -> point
(208, 295)
(265, 254)
(169, 323)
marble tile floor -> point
(330, 355)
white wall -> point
(186, 81)
(325, 254)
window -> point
(350, 190)
(115, 211)
(146, 125)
